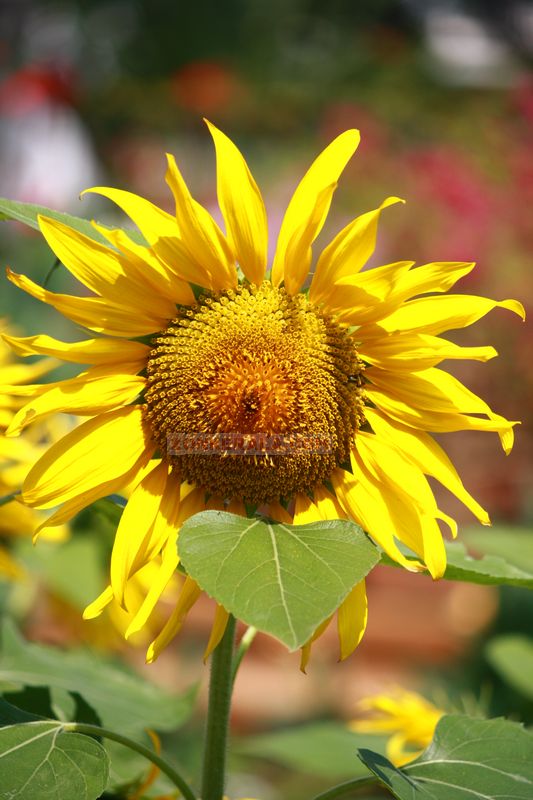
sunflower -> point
(212, 383)
(408, 719)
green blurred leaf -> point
(122, 700)
(73, 570)
(324, 749)
(11, 715)
(512, 658)
(63, 704)
(27, 214)
(513, 544)
(489, 569)
(39, 760)
(468, 758)
(34, 700)
(283, 579)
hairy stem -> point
(220, 687)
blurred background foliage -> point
(95, 91)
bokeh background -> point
(95, 91)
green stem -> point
(170, 772)
(244, 646)
(220, 687)
(50, 272)
(343, 788)
(9, 497)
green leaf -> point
(513, 544)
(512, 657)
(489, 569)
(11, 715)
(27, 213)
(283, 579)
(41, 760)
(467, 759)
(323, 749)
(122, 700)
(73, 570)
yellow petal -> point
(217, 631)
(434, 400)
(435, 277)
(408, 496)
(421, 449)
(104, 271)
(363, 500)
(23, 373)
(161, 278)
(169, 562)
(91, 351)
(242, 207)
(177, 505)
(94, 313)
(95, 608)
(306, 649)
(95, 391)
(72, 507)
(439, 422)
(298, 252)
(305, 510)
(433, 315)
(188, 596)
(99, 450)
(348, 252)
(301, 216)
(327, 504)
(366, 297)
(438, 276)
(201, 237)
(417, 351)
(351, 619)
(276, 512)
(383, 458)
(152, 221)
(134, 527)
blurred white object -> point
(465, 51)
(46, 154)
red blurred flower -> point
(205, 87)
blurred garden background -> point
(94, 92)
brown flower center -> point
(254, 394)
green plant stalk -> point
(164, 766)
(343, 788)
(9, 497)
(220, 688)
(243, 648)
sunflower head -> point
(254, 394)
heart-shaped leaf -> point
(283, 579)
(467, 759)
(41, 760)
